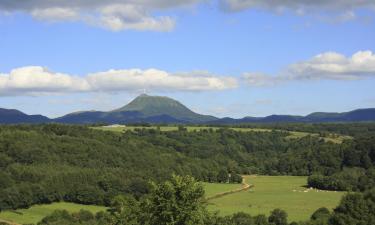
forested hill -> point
(159, 109)
(12, 116)
(144, 108)
(358, 115)
(47, 163)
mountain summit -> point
(144, 108)
(151, 106)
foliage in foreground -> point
(180, 202)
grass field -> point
(270, 192)
(292, 134)
(212, 189)
(38, 212)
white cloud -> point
(56, 14)
(331, 11)
(115, 15)
(124, 17)
(153, 79)
(38, 80)
(325, 66)
(35, 79)
(260, 79)
(298, 6)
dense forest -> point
(48, 163)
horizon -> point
(163, 96)
(224, 58)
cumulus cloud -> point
(124, 17)
(115, 15)
(34, 79)
(38, 80)
(325, 66)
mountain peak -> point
(149, 106)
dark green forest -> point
(49, 163)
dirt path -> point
(245, 186)
(8, 222)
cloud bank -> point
(114, 15)
(297, 5)
(117, 15)
(35, 80)
(325, 66)
(339, 10)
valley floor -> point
(270, 192)
(37, 212)
(266, 193)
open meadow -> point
(37, 212)
(335, 138)
(212, 189)
(270, 192)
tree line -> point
(179, 201)
(49, 163)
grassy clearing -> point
(38, 212)
(174, 128)
(212, 189)
(270, 192)
(292, 134)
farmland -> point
(38, 212)
(335, 138)
(270, 192)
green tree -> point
(176, 202)
(321, 214)
(223, 176)
(235, 178)
(242, 219)
(278, 217)
(260, 220)
(126, 210)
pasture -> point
(270, 192)
(212, 189)
(38, 212)
(335, 138)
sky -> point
(231, 58)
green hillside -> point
(158, 105)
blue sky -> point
(220, 58)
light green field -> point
(270, 192)
(212, 189)
(292, 134)
(38, 212)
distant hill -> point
(359, 115)
(10, 116)
(158, 109)
(144, 108)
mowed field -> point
(38, 212)
(212, 189)
(270, 192)
(292, 134)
